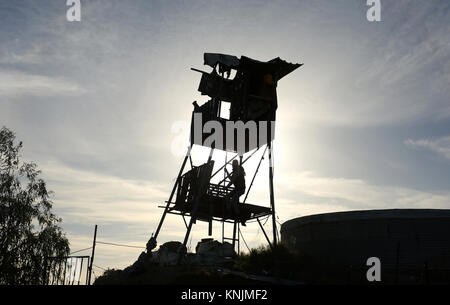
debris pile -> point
(207, 252)
(164, 266)
(213, 252)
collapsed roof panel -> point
(212, 59)
(277, 67)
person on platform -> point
(237, 179)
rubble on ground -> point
(209, 253)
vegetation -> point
(29, 231)
(170, 275)
(275, 263)
(263, 260)
(279, 262)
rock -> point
(171, 246)
(208, 252)
(214, 248)
(167, 254)
(213, 252)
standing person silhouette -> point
(238, 180)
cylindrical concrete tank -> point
(412, 244)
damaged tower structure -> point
(241, 90)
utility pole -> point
(92, 256)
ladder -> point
(235, 238)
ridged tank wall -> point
(405, 240)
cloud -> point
(86, 196)
(378, 74)
(126, 210)
(17, 84)
(107, 157)
(348, 194)
(29, 56)
(441, 146)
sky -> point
(99, 105)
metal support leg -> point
(254, 176)
(203, 184)
(181, 251)
(234, 233)
(238, 238)
(264, 231)
(223, 232)
(184, 220)
(272, 197)
(210, 227)
(211, 154)
(173, 192)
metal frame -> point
(193, 215)
(278, 69)
(53, 270)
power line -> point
(119, 245)
(80, 250)
(244, 240)
(99, 267)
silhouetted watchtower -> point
(240, 119)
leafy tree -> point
(29, 231)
